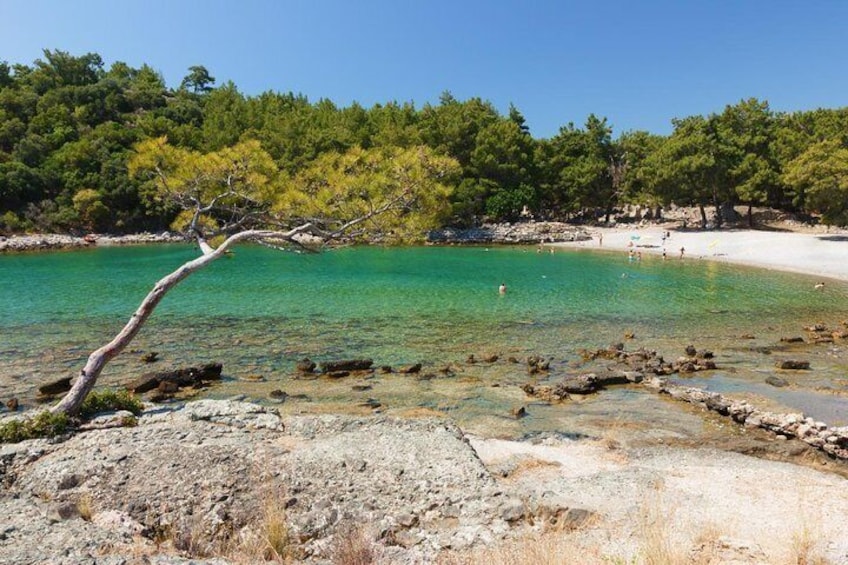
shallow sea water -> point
(262, 310)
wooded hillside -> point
(68, 126)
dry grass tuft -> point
(275, 531)
(267, 540)
(805, 548)
(353, 546)
(545, 549)
(85, 507)
(655, 526)
(706, 546)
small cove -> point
(263, 310)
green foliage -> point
(198, 80)
(43, 425)
(819, 178)
(69, 126)
(46, 424)
(10, 223)
(108, 400)
(340, 187)
(89, 206)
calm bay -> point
(261, 310)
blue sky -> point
(639, 64)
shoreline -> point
(819, 254)
(823, 254)
(57, 242)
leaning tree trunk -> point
(87, 378)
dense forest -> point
(68, 127)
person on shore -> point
(600, 240)
(502, 289)
(682, 251)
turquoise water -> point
(262, 310)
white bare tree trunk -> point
(87, 378)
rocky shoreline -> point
(509, 234)
(491, 234)
(44, 242)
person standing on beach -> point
(600, 240)
(682, 251)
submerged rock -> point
(411, 369)
(793, 365)
(776, 381)
(56, 387)
(346, 365)
(305, 365)
(179, 378)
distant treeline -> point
(68, 125)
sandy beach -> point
(819, 254)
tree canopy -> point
(69, 125)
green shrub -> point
(47, 424)
(43, 424)
(108, 400)
(10, 223)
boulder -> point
(149, 357)
(144, 383)
(793, 365)
(184, 377)
(346, 365)
(792, 339)
(305, 365)
(776, 381)
(546, 393)
(580, 384)
(278, 394)
(167, 387)
(536, 364)
(56, 387)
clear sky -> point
(638, 63)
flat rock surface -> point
(182, 482)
